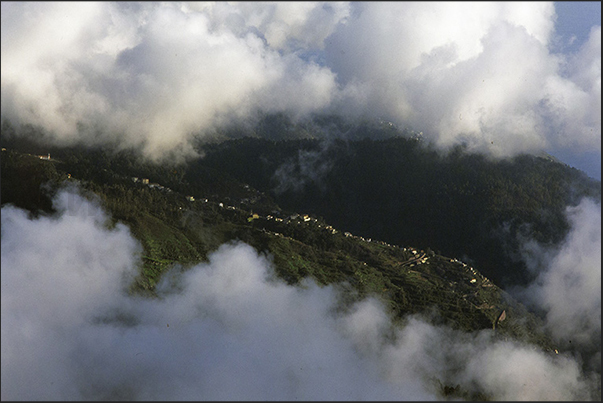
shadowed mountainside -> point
(426, 234)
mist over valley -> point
(301, 201)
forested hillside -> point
(177, 229)
(425, 233)
(402, 191)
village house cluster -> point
(419, 256)
(152, 185)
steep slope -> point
(402, 191)
(176, 231)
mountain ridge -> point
(181, 213)
(301, 245)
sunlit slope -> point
(177, 231)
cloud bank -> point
(226, 329)
(568, 286)
(153, 76)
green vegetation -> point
(235, 200)
(404, 192)
(296, 200)
(173, 230)
(24, 177)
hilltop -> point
(388, 218)
(176, 228)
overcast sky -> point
(504, 77)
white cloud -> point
(226, 329)
(57, 274)
(127, 72)
(568, 287)
(574, 98)
(480, 73)
(154, 75)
